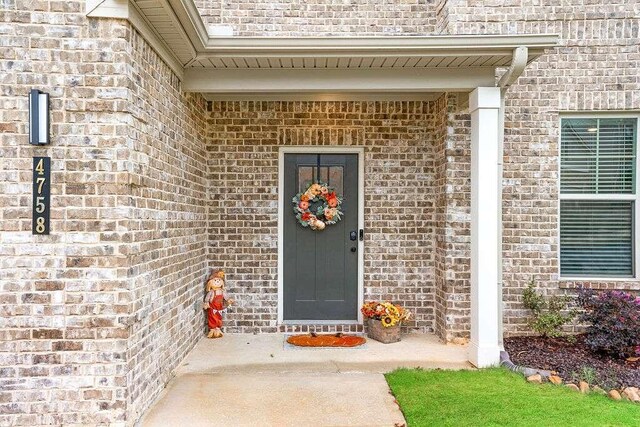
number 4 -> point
(40, 167)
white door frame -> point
(284, 206)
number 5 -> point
(39, 204)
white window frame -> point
(634, 197)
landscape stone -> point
(615, 395)
(555, 379)
(584, 387)
(631, 393)
(573, 387)
(536, 378)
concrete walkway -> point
(259, 380)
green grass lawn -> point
(497, 397)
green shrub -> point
(586, 374)
(549, 313)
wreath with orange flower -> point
(317, 206)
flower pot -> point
(385, 335)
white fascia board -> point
(332, 43)
(191, 22)
(380, 80)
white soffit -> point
(277, 64)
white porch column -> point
(484, 104)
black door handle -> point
(353, 249)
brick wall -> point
(64, 298)
(452, 152)
(399, 195)
(442, 17)
(319, 17)
(94, 316)
(596, 68)
(166, 226)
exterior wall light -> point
(38, 117)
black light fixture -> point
(38, 117)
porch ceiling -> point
(255, 65)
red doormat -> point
(326, 340)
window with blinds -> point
(597, 197)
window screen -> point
(596, 238)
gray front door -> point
(321, 267)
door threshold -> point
(320, 322)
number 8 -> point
(40, 224)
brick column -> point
(484, 104)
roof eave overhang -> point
(378, 44)
(207, 64)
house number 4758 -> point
(41, 194)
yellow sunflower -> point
(388, 321)
(392, 310)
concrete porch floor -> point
(251, 380)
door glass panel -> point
(332, 175)
(334, 180)
(306, 176)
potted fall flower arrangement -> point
(384, 320)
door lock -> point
(353, 249)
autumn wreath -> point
(317, 206)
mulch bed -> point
(569, 359)
(326, 340)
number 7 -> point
(40, 182)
